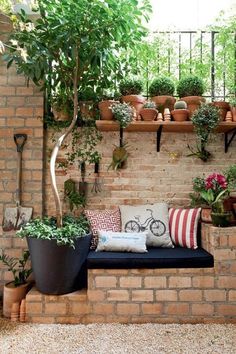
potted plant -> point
(107, 100)
(180, 112)
(17, 289)
(61, 104)
(223, 106)
(212, 191)
(123, 113)
(149, 111)
(161, 91)
(54, 51)
(205, 120)
(232, 103)
(190, 89)
(130, 90)
(87, 102)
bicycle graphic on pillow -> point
(157, 227)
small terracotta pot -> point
(87, 109)
(233, 111)
(136, 101)
(13, 294)
(180, 115)
(105, 109)
(224, 108)
(148, 114)
(193, 103)
(163, 102)
(60, 115)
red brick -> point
(130, 282)
(179, 282)
(226, 282)
(190, 295)
(128, 309)
(34, 308)
(202, 309)
(117, 295)
(106, 281)
(58, 308)
(215, 295)
(226, 310)
(142, 295)
(203, 281)
(155, 282)
(152, 309)
(177, 308)
(166, 295)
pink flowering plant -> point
(210, 191)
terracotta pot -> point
(163, 102)
(233, 111)
(148, 114)
(193, 103)
(13, 294)
(136, 101)
(206, 215)
(87, 109)
(105, 109)
(224, 108)
(60, 115)
(180, 115)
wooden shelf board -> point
(169, 127)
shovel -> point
(18, 216)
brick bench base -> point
(192, 295)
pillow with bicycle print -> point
(153, 218)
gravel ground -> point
(116, 338)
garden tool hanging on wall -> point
(18, 216)
(83, 186)
(97, 185)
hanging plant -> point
(205, 120)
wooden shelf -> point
(168, 127)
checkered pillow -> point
(183, 226)
(105, 220)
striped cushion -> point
(183, 226)
(106, 220)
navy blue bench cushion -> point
(177, 257)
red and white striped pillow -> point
(102, 220)
(183, 226)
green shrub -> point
(131, 87)
(162, 86)
(190, 86)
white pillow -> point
(152, 218)
(121, 241)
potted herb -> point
(130, 90)
(54, 50)
(190, 89)
(180, 112)
(17, 289)
(105, 105)
(149, 111)
(161, 91)
(205, 120)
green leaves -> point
(46, 229)
(17, 267)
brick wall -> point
(148, 177)
(21, 111)
(205, 295)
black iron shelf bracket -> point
(159, 131)
(229, 139)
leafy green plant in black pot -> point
(190, 89)
(205, 120)
(162, 90)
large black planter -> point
(59, 269)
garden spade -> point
(16, 217)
